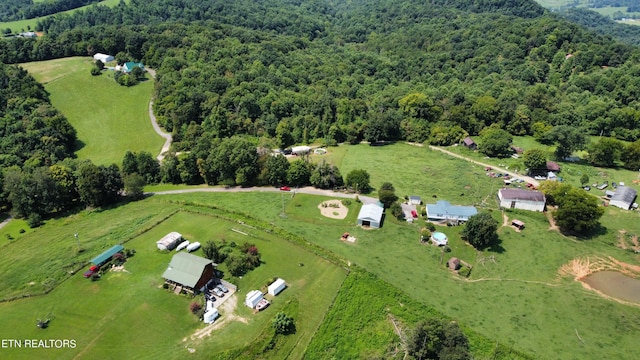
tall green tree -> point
(606, 152)
(495, 142)
(535, 160)
(568, 139)
(578, 212)
(276, 168)
(481, 230)
(358, 180)
(299, 173)
(631, 156)
(387, 194)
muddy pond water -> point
(615, 284)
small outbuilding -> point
(253, 298)
(623, 197)
(103, 57)
(276, 287)
(453, 263)
(517, 224)
(107, 255)
(169, 241)
(189, 271)
(469, 143)
(553, 166)
(415, 200)
(370, 215)
(522, 199)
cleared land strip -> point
(167, 137)
(525, 178)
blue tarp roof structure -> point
(102, 258)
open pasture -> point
(129, 311)
(110, 119)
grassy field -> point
(23, 25)
(129, 313)
(515, 293)
(110, 119)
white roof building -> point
(169, 241)
(103, 57)
(253, 298)
(370, 215)
(276, 287)
(521, 199)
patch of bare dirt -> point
(552, 222)
(333, 209)
(227, 315)
(580, 268)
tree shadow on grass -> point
(78, 145)
(496, 246)
(599, 231)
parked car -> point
(414, 213)
(223, 288)
(285, 188)
(218, 292)
(587, 188)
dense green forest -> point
(625, 33)
(20, 9)
(282, 72)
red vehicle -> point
(285, 188)
(92, 270)
(414, 214)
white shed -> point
(169, 241)
(370, 215)
(415, 200)
(103, 57)
(253, 298)
(276, 287)
(521, 199)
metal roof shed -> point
(189, 270)
(370, 215)
(623, 197)
(105, 256)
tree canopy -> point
(480, 230)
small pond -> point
(615, 284)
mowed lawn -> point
(129, 312)
(110, 119)
(514, 295)
(22, 25)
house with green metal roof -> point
(107, 255)
(189, 270)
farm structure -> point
(169, 241)
(370, 215)
(253, 298)
(300, 150)
(107, 255)
(103, 57)
(276, 287)
(623, 197)
(553, 166)
(129, 66)
(469, 143)
(190, 272)
(521, 199)
(415, 200)
(443, 211)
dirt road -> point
(168, 138)
(498, 169)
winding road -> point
(167, 137)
